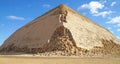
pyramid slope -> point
(62, 29)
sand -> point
(56, 60)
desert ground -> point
(57, 60)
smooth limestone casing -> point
(36, 33)
(86, 33)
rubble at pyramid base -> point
(62, 44)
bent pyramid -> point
(62, 30)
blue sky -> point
(16, 13)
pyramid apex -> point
(62, 7)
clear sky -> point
(16, 13)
